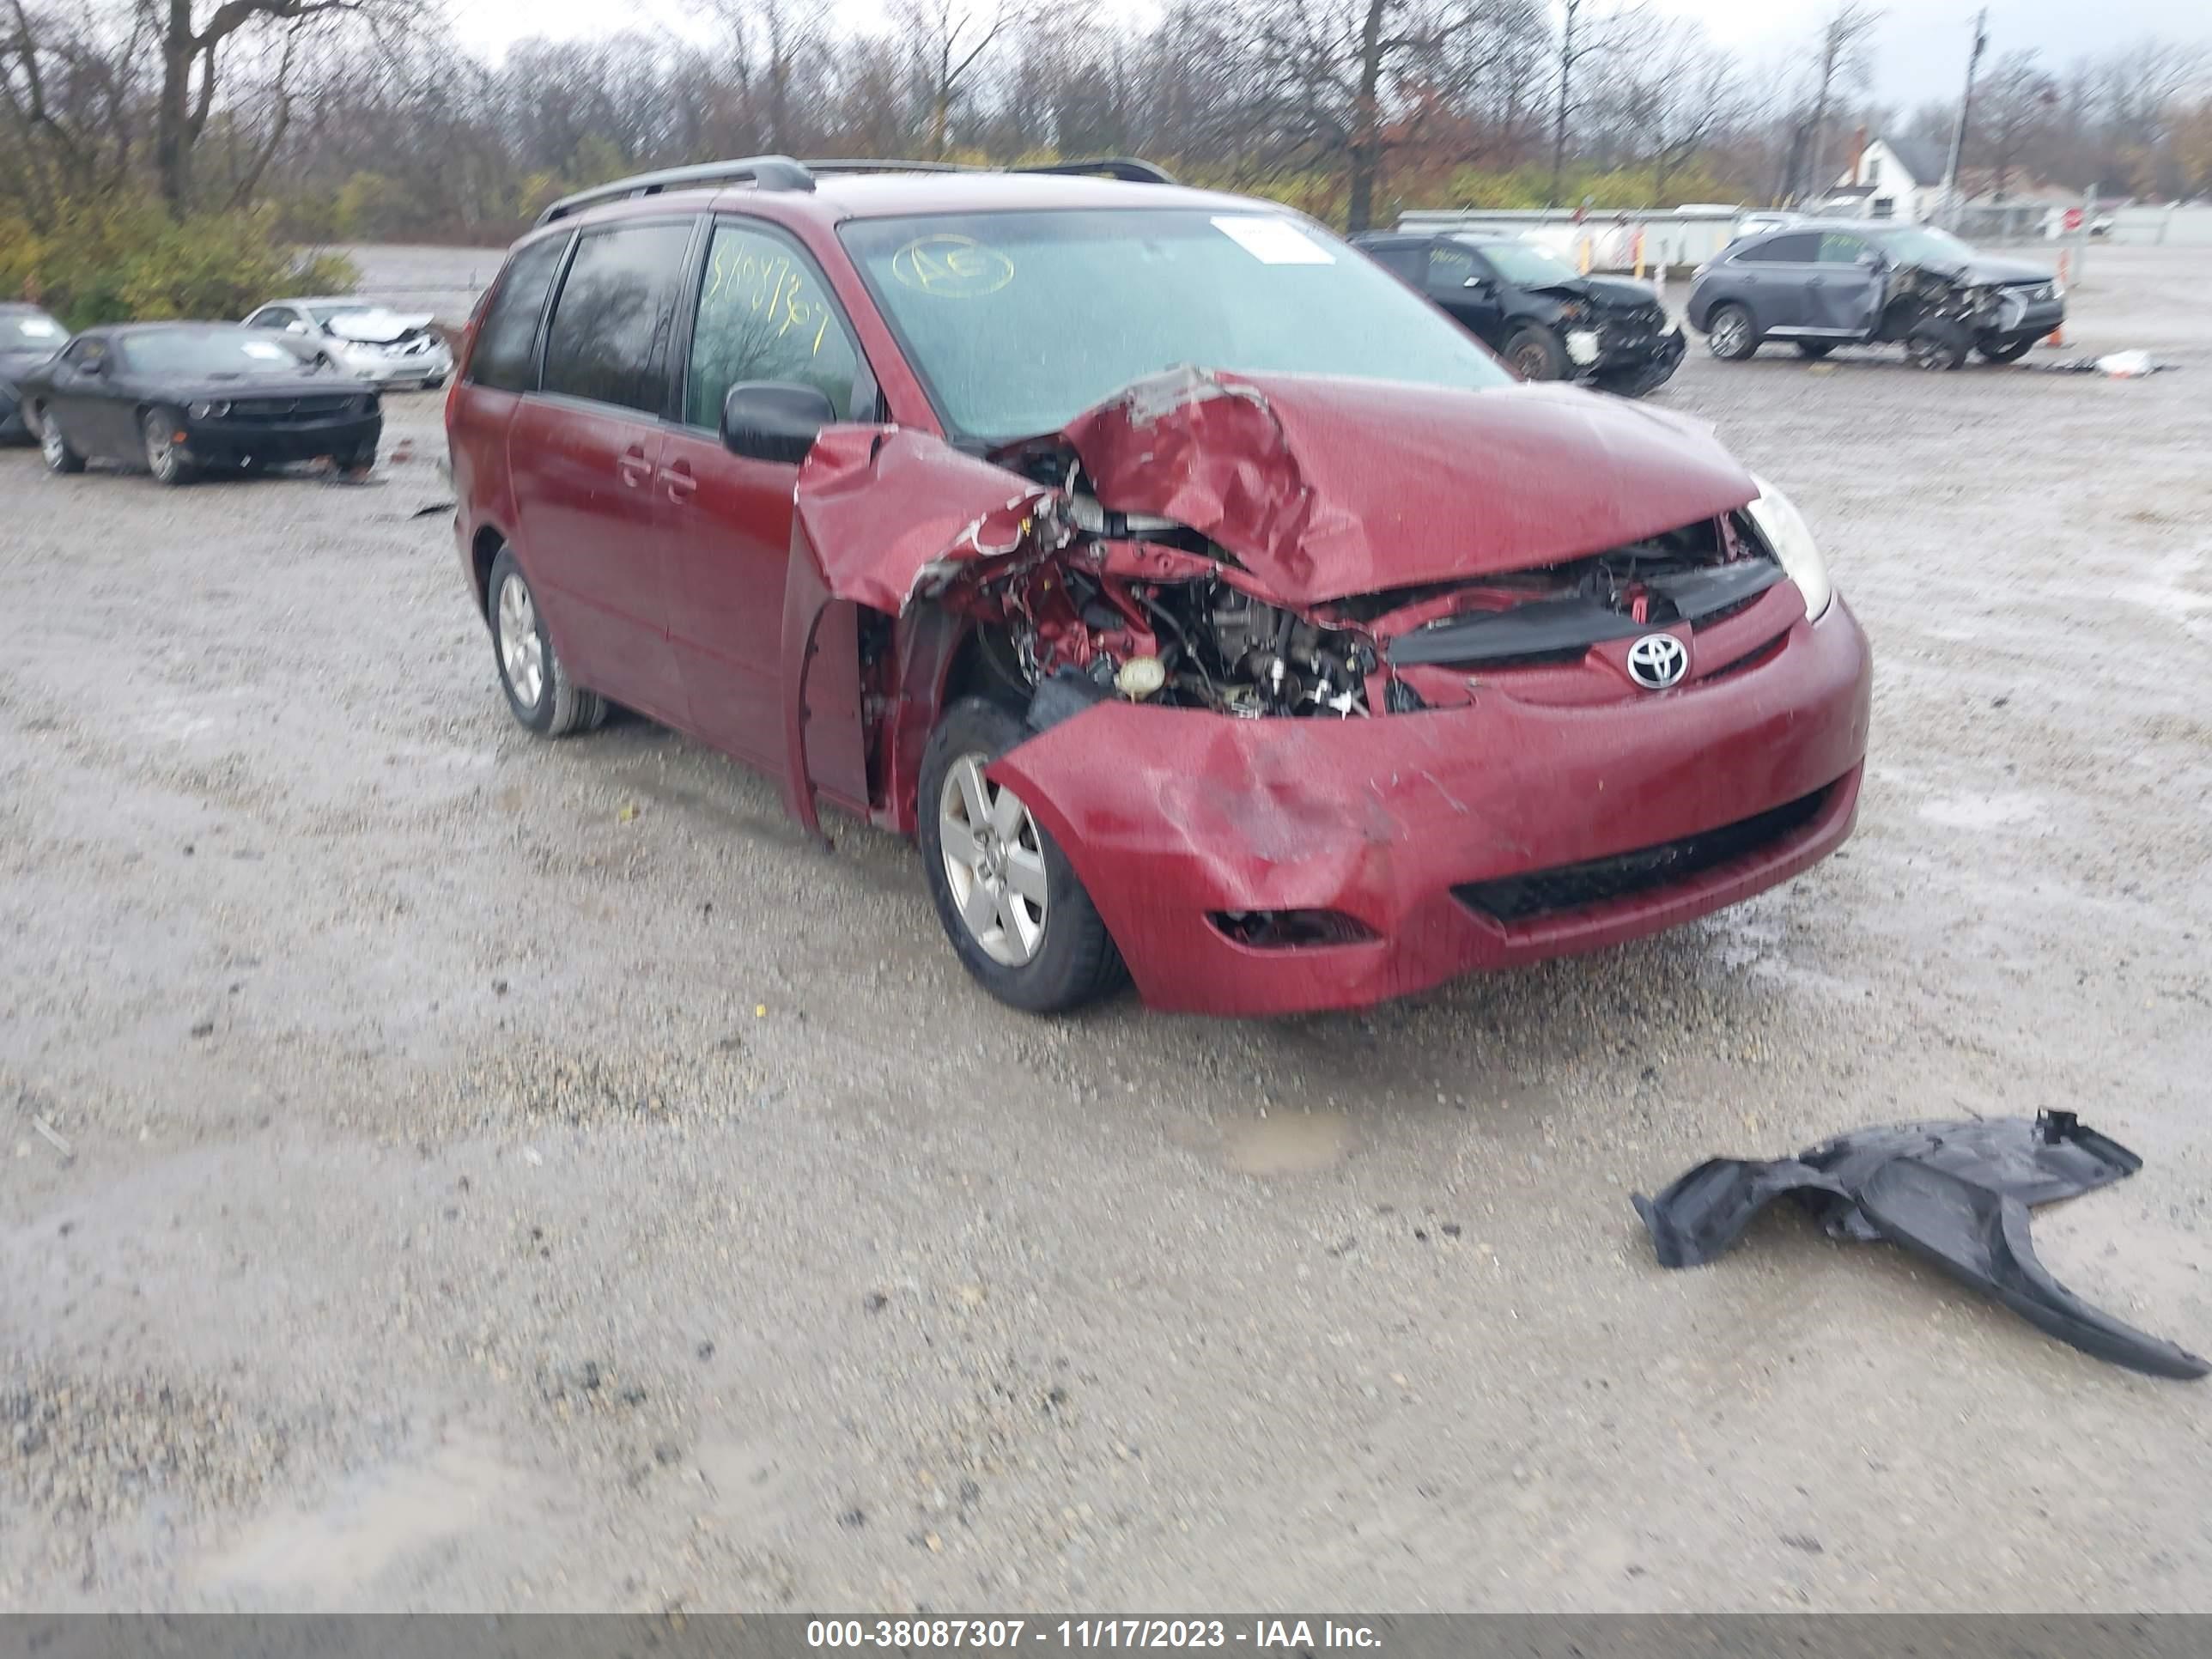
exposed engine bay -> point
(1914, 295)
(1109, 612)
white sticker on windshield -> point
(263, 349)
(38, 328)
(1273, 241)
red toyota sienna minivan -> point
(1212, 611)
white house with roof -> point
(1892, 179)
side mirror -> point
(774, 420)
(295, 326)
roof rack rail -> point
(874, 164)
(1127, 169)
(762, 172)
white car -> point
(1754, 224)
(388, 349)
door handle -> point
(683, 483)
(632, 468)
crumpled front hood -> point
(1321, 489)
(375, 325)
(1608, 293)
(1326, 488)
(1984, 268)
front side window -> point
(764, 314)
(1450, 267)
(1839, 250)
(612, 317)
(1019, 320)
(504, 358)
(1531, 264)
(213, 354)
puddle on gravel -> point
(374, 1522)
(1286, 1143)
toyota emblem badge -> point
(1657, 661)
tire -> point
(359, 459)
(163, 460)
(2007, 351)
(1635, 382)
(1815, 350)
(1070, 960)
(1935, 344)
(61, 458)
(536, 681)
(1535, 353)
(1731, 333)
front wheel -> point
(60, 457)
(1937, 343)
(2006, 351)
(165, 456)
(1730, 334)
(536, 681)
(1009, 900)
(1536, 353)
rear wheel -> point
(2006, 351)
(165, 456)
(59, 457)
(536, 681)
(1009, 900)
(1730, 333)
(1815, 350)
(1535, 353)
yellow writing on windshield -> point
(951, 267)
(771, 286)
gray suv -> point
(1822, 283)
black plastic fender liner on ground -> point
(1956, 1194)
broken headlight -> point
(1783, 530)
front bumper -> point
(2014, 317)
(425, 369)
(1413, 825)
(226, 442)
(1642, 355)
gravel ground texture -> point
(445, 1169)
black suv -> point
(1535, 310)
(1825, 283)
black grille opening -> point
(1601, 881)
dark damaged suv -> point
(1535, 310)
(1212, 610)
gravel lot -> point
(508, 1175)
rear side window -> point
(612, 317)
(1782, 250)
(764, 314)
(504, 356)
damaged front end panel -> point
(1955, 1195)
(1217, 543)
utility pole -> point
(1959, 127)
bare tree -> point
(946, 41)
(2016, 101)
(1839, 63)
(193, 48)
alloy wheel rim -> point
(521, 653)
(51, 441)
(1727, 333)
(993, 855)
(1529, 360)
(160, 453)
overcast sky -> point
(1920, 52)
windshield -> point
(1528, 263)
(216, 354)
(30, 329)
(1918, 245)
(325, 315)
(1020, 321)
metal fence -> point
(1607, 241)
